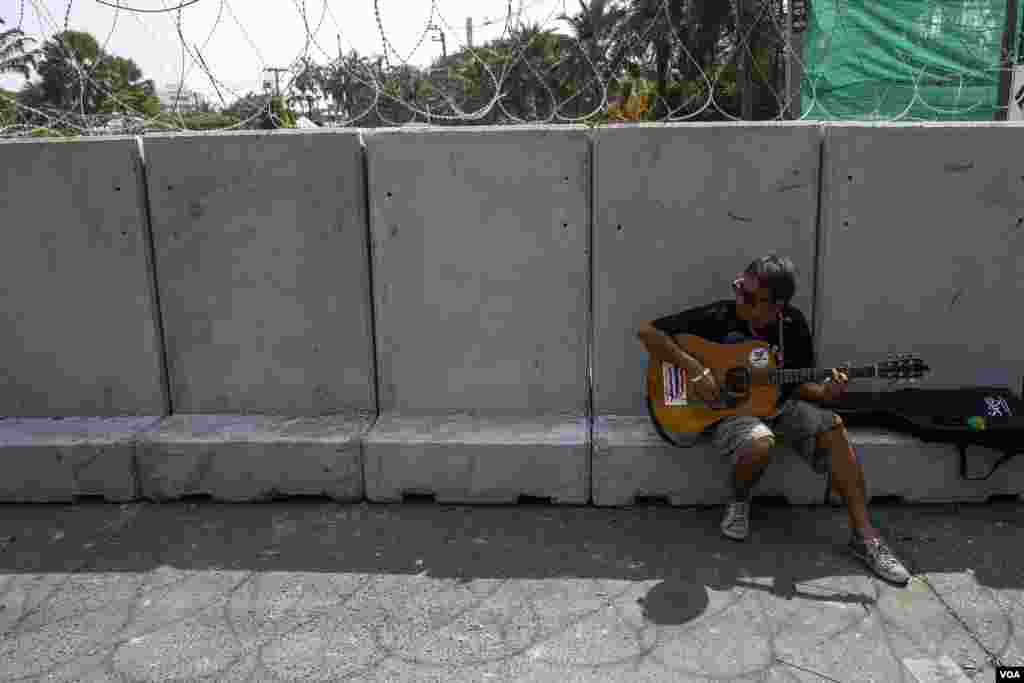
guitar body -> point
(735, 367)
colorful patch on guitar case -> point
(996, 406)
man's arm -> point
(664, 348)
(658, 336)
(812, 392)
(801, 355)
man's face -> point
(753, 302)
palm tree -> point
(650, 35)
(594, 30)
(69, 61)
(349, 83)
(529, 81)
(15, 57)
(307, 83)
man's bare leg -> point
(848, 477)
(750, 465)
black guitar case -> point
(991, 417)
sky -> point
(251, 35)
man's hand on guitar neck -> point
(829, 391)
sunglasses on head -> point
(745, 286)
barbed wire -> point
(176, 8)
(626, 60)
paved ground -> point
(311, 590)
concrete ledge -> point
(462, 458)
(920, 472)
(252, 457)
(49, 460)
(630, 460)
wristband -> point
(840, 389)
(707, 371)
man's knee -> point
(836, 430)
(756, 451)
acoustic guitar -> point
(748, 378)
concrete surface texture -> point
(262, 262)
(78, 331)
(48, 460)
(480, 268)
(316, 591)
(921, 249)
(470, 458)
(252, 457)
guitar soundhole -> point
(737, 381)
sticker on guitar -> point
(674, 381)
(759, 358)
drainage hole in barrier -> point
(772, 501)
(419, 498)
(196, 498)
(886, 500)
(1004, 498)
(652, 500)
(89, 498)
(533, 500)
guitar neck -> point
(801, 375)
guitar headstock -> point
(905, 367)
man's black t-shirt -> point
(717, 322)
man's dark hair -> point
(778, 274)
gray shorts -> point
(796, 426)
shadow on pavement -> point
(793, 552)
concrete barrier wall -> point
(488, 250)
(922, 248)
(480, 262)
(78, 329)
(263, 269)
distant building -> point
(187, 99)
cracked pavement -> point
(312, 590)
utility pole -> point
(444, 50)
(744, 76)
(277, 78)
(1006, 74)
(796, 24)
(469, 31)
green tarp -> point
(903, 60)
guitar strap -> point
(782, 340)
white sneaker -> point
(736, 524)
